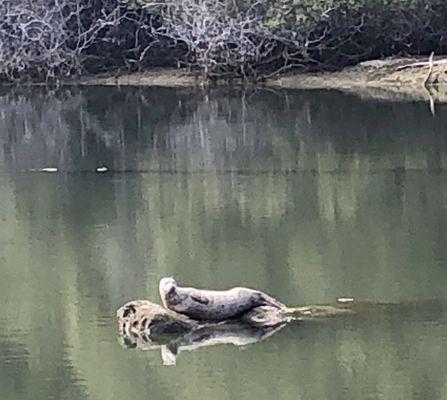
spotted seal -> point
(212, 305)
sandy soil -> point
(156, 77)
(392, 78)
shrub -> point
(258, 38)
(46, 39)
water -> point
(308, 196)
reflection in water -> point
(308, 196)
(229, 332)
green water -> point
(308, 196)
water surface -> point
(308, 196)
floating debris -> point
(345, 300)
(102, 169)
(47, 169)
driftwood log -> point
(144, 316)
(146, 325)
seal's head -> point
(166, 288)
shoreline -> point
(396, 79)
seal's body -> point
(212, 305)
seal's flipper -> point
(200, 299)
(270, 301)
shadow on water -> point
(308, 196)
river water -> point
(308, 196)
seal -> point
(212, 305)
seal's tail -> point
(270, 301)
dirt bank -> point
(392, 78)
(156, 77)
(414, 78)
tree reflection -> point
(306, 195)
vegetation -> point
(48, 39)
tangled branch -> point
(44, 39)
(249, 39)
(217, 42)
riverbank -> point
(415, 78)
(409, 78)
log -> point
(142, 316)
(145, 325)
(139, 316)
(149, 326)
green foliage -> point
(328, 34)
(293, 14)
(237, 38)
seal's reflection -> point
(229, 332)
